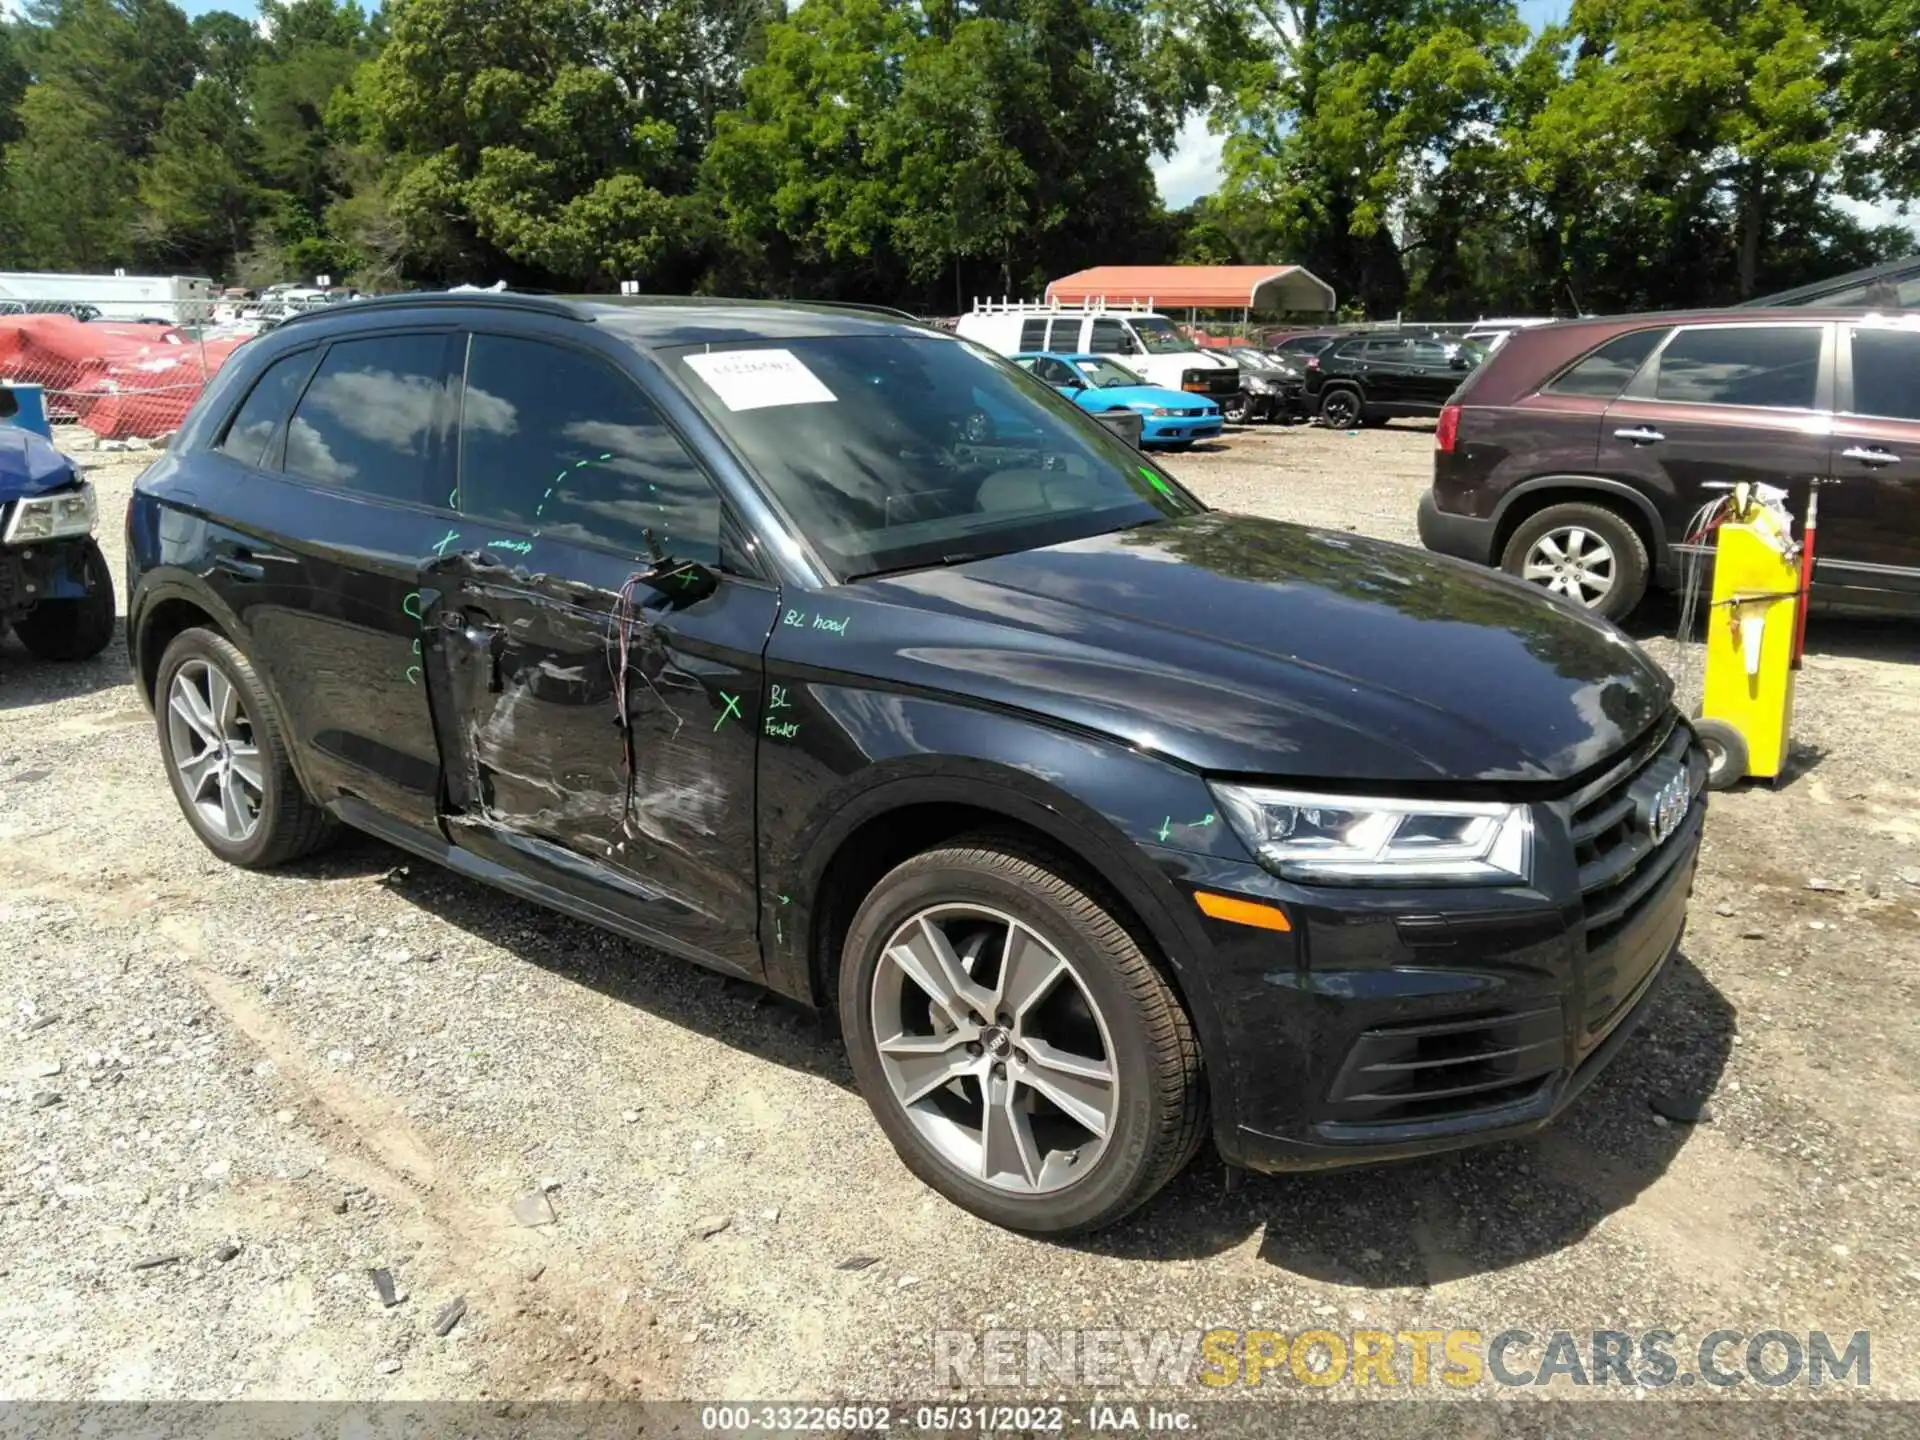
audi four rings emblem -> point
(1668, 807)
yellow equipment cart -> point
(1753, 637)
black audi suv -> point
(837, 654)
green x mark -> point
(732, 709)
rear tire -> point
(77, 628)
(1584, 553)
(1104, 1018)
(210, 706)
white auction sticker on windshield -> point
(756, 379)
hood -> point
(1202, 360)
(29, 465)
(1150, 396)
(1248, 646)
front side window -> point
(563, 445)
(896, 451)
(1770, 366)
(1886, 373)
(367, 422)
(1604, 372)
(1109, 338)
(265, 407)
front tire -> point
(1022, 1053)
(1726, 748)
(76, 628)
(1341, 409)
(1583, 553)
(226, 757)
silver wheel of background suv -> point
(211, 747)
(995, 1049)
(1573, 561)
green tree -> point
(229, 46)
(198, 185)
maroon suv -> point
(1577, 456)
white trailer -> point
(178, 299)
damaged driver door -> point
(597, 654)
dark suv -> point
(1368, 379)
(838, 654)
(1579, 454)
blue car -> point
(56, 593)
(1172, 418)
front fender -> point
(857, 755)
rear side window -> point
(1604, 373)
(265, 407)
(1886, 373)
(1033, 334)
(1771, 366)
(367, 421)
(564, 445)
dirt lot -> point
(229, 1096)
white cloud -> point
(1192, 169)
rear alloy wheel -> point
(1581, 553)
(1023, 1055)
(226, 756)
(1340, 409)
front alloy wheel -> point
(994, 1048)
(1025, 1056)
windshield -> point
(1104, 374)
(1160, 337)
(893, 452)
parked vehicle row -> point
(833, 653)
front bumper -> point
(1467, 537)
(44, 570)
(1395, 1023)
(1179, 429)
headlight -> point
(48, 517)
(1256, 385)
(1153, 409)
(1332, 838)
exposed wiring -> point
(1699, 535)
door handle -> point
(240, 563)
(1639, 435)
(1871, 456)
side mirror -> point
(683, 582)
(9, 405)
(1461, 362)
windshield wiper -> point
(957, 558)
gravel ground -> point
(230, 1098)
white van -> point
(1140, 339)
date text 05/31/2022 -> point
(943, 1419)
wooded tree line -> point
(1434, 156)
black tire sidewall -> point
(1112, 1185)
(1333, 401)
(1630, 563)
(216, 651)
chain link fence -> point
(129, 371)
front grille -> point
(1622, 870)
(1441, 1069)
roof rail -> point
(1093, 305)
(483, 299)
